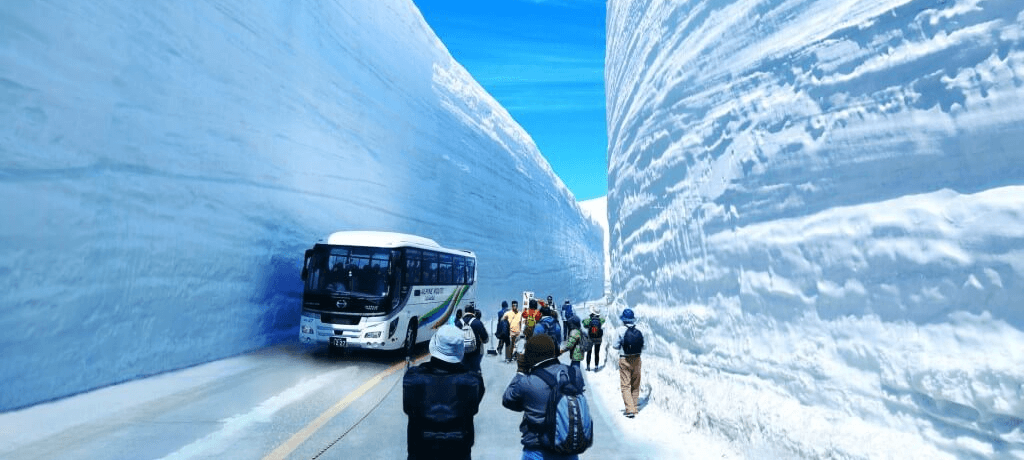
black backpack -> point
(568, 428)
(632, 341)
(444, 406)
(503, 328)
(594, 327)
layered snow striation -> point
(164, 167)
(818, 206)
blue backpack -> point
(548, 325)
(568, 428)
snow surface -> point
(163, 167)
(597, 209)
(815, 209)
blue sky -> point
(543, 61)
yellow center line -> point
(297, 439)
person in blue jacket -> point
(566, 314)
(528, 393)
(549, 325)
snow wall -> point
(165, 165)
(818, 207)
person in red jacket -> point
(531, 316)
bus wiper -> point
(360, 295)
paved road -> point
(382, 435)
(280, 402)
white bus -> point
(382, 290)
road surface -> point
(282, 402)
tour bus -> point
(382, 290)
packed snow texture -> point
(597, 209)
(164, 165)
(817, 209)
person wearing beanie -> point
(479, 335)
(630, 343)
(441, 397)
(575, 342)
(528, 393)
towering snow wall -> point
(165, 164)
(819, 202)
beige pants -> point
(629, 381)
(511, 347)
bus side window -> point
(429, 267)
(412, 267)
(460, 270)
(444, 270)
(471, 271)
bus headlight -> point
(392, 327)
(372, 335)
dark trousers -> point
(595, 346)
(472, 360)
(502, 344)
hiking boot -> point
(629, 415)
(588, 368)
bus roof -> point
(386, 240)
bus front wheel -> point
(410, 339)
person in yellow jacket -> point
(514, 317)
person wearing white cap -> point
(593, 328)
(441, 397)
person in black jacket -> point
(501, 331)
(441, 397)
(528, 393)
(472, 358)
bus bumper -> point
(366, 334)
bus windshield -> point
(349, 270)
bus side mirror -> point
(305, 264)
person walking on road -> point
(475, 336)
(515, 318)
(630, 343)
(566, 314)
(593, 327)
(531, 316)
(501, 331)
(441, 397)
(528, 393)
(574, 343)
(548, 324)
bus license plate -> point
(338, 342)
